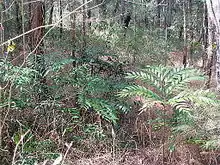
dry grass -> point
(184, 155)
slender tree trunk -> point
(213, 7)
(158, 13)
(191, 35)
(51, 12)
(1, 116)
(73, 22)
(23, 31)
(84, 27)
(18, 20)
(37, 19)
(209, 60)
(168, 18)
(122, 12)
(185, 49)
(146, 21)
(89, 14)
(61, 16)
(205, 36)
(2, 32)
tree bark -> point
(205, 36)
(84, 27)
(158, 13)
(209, 60)
(73, 25)
(61, 16)
(37, 19)
(122, 12)
(51, 12)
(185, 48)
(18, 18)
(213, 7)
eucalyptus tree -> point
(213, 7)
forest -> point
(109, 82)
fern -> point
(166, 81)
(137, 90)
(101, 106)
(19, 76)
(197, 98)
(170, 86)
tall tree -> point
(37, 20)
(73, 25)
(84, 26)
(122, 11)
(51, 12)
(185, 49)
(61, 18)
(158, 12)
(213, 7)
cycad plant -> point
(170, 86)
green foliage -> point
(33, 150)
(137, 90)
(94, 131)
(92, 91)
(171, 87)
(165, 82)
(19, 76)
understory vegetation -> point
(112, 94)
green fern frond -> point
(60, 64)
(150, 79)
(166, 80)
(180, 78)
(101, 106)
(197, 98)
(136, 90)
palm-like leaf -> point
(137, 90)
(165, 80)
(189, 99)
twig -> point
(68, 148)
(17, 145)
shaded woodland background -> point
(93, 82)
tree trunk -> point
(51, 12)
(122, 11)
(158, 12)
(205, 36)
(61, 16)
(84, 27)
(18, 18)
(191, 35)
(209, 60)
(37, 19)
(185, 49)
(213, 7)
(73, 25)
(168, 17)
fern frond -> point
(179, 78)
(150, 79)
(197, 98)
(166, 80)
(101, 106)
(60, 64)
(136, 90)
